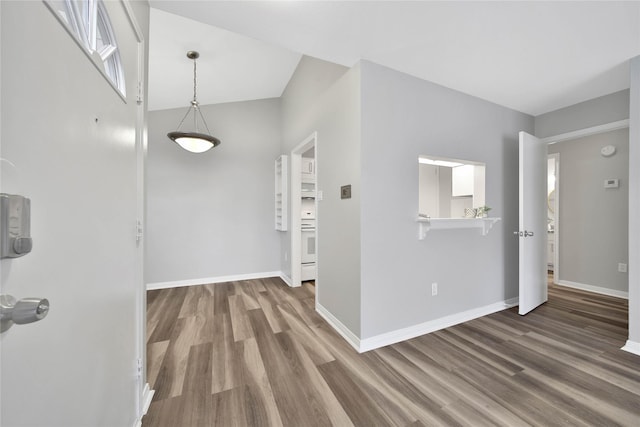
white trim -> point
(208, 280)
(132, 20)
(286, 279)
(296, 182)
(632, 347)
(634, 200)
(147, 397)
(433, 325)
(339, 327)
(594, 130)
(122, 93)
(388, 338)
(556, 230)
(594, 289)
(144, 393)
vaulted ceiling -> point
(531, 56)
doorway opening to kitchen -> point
(303, 212)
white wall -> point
(402, 118)
(211, 215)
(77, 366)
(593, 223)
(325, 97)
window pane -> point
(102, 35)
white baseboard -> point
(594, 289)
(412, 331)
(286, 279)
(147, 396)
(340, 328)
(632, 347)
(403, 334)
(219, 279)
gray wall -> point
(211, 214)
(593, 232)
(325, 97)
(300, 113)
(606, 109)
(597, 111)
(402, 118)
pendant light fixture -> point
(196, 141)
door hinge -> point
(139, 95)
(139, 367)
(138, 231)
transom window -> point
(88, 22)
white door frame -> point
(296, 206)
(594, 130)
(556, 219)
(144, 394)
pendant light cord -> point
(194, 103)
(195, 80)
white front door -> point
(69, 144)
(532, 233)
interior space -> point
(285, 213)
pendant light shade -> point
(195, 141)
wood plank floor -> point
(255, 353)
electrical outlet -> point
(286, 256)
(622, 267)
(434, 289)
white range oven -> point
(308, 249)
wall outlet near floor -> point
(286, 255)
(622, 267)
(434, 289)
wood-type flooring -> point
(255, 353)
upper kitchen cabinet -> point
(308, 169)
(462, 181)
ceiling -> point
(231, 67)
(533, 57)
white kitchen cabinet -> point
(308, 166)
(462, 181)
(308, 169)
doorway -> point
(304, 211)
(590, 250)
(553, 215)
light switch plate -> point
(611, 183)
(345, 192)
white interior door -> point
(69, 144)
(532, 233)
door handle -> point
(524, 233)
(20, 312)
(528, 233)
(518, 233)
